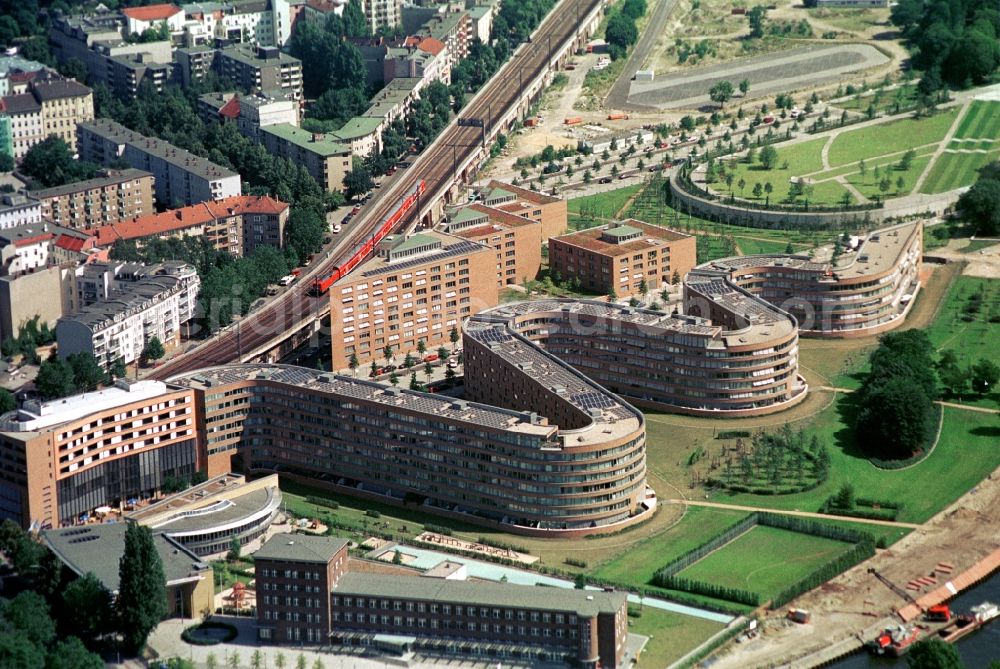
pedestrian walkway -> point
(941, 147)
(950, 405)
(800, 514)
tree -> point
(6, 163)
(756, 19)
(621, 32)
(300, 661)
(17, 651)
(153, 349)
(844, 499)
(387, 353)
(86, 608)
(397, 557)
(421, 347)
(235, 549)
(373, 370)
(643, 287)
(55, 379)
(675, 280)
(359, 180)
(142, 595)
(354, 363)
(87, 373)
(721, 92)
(907, 159)
(394, 379)
(453, 336)
(768, 157)
(28, 613)
(768, 189)
(954, 379)
(51, 163)
(758, 190)
(984, 376)
(744, 87)
(7, 401)
(580, 582)
(9, 31)
(442, 352)
(71, 653)
(932, 653)
(414, 384)
(979, 204)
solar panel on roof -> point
(593, 400)
(494, 336)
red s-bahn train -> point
(320, 286)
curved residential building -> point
(578, 469)
(731, 355)
(207, 517)
(867, 290)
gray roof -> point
(97, 549)
(114, 177)
(583, 603)
(217, 514)
(301, 548)
(112, 131)
(22, 103)
(57, 89)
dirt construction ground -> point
(855, 605)
(984, 263)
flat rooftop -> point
(223, 502)
(451, 247)
(321, 144)
(114, 177)
(480, 415)
(583, 603)
(301, 548)
(36, 416)
(97, 549)
(112, 131)
(879, 252)
(604, 415)
(624, 238)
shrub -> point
(189, 637)
(372, 513)
(573, 562)
(322, 501)
(437, 529)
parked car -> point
(286, 280)
(337, 228)
(605, 180)
(453, 363)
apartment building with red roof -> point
(238, 225)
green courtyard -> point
(976, 142)
(840, 168)
(765, 560)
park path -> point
(950, 405)
(842, 180)
(825, 153)
(800, 514)
(942, 146)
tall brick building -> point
(547, 210)
(624, 256)
(516, 239)
(115, 195)
(416, 288)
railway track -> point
(296, 307)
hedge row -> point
(486, 541)
(807, 526)
(687, 559)
(859, 512)
(696, 587)
(719, 606)
(710, 648)
(322, 501)
(859, 552)
(438, 529)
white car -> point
(286, 280)
(337, 228)
(453, 363)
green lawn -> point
(671, 635)
(869, 186)
(637, 566)
(956, 170)
(885, 138)
(884, 101)
(971, 336)
(982, 120)
(968, 450)
(765, 560)
(591, 210)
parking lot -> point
(768, 74)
